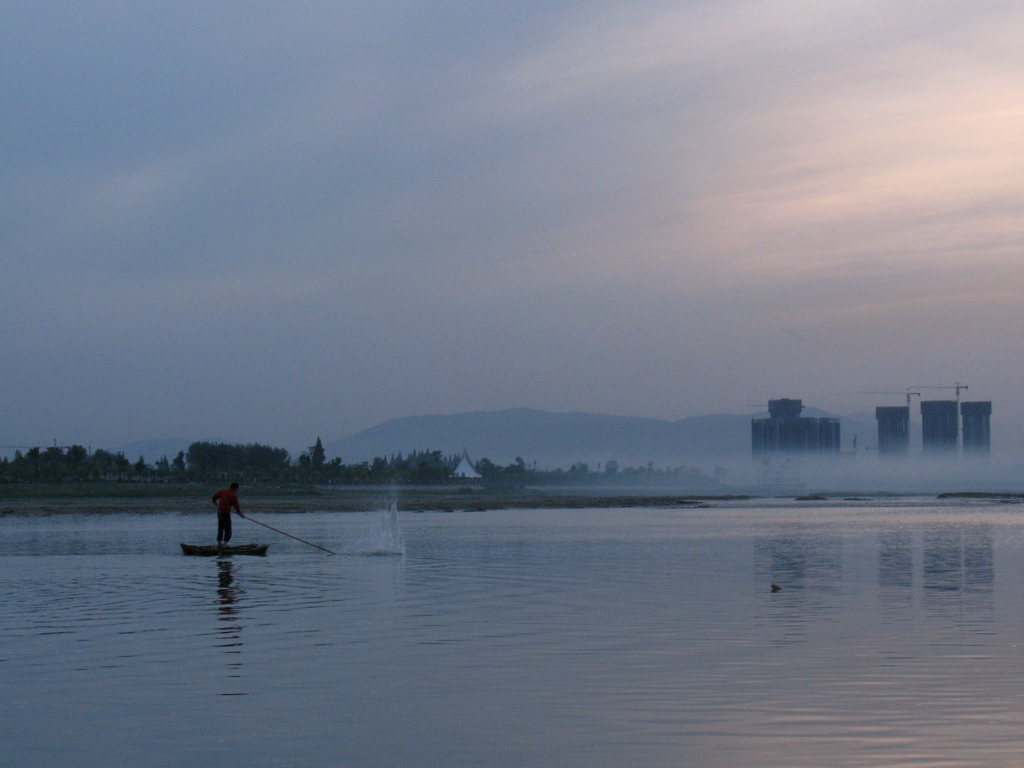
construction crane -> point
(908, 394)
(957, 387)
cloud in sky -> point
(275, 221)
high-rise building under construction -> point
(786, 431)
(893, 430)
(977, 434)
(939, 427)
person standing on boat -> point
(226, 500)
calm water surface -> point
(640, 637)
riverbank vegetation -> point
(256, 464)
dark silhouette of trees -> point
(254, 463)
(316, 455)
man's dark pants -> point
(223, 527)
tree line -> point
(256, 463)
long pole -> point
(284, 533)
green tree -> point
(486, 467)
(179, 464)
(517, 467)
(317, 455)
(207, 461)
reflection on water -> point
(959, 573)
(596, 638)
(958, 558)
(807, 563)
(896, 561)
(895, 575)
(953, 564)
(955, 570)
(229, 630)
(798, 556)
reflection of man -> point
(227, 589)
(226, 500)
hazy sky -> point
(268, 221)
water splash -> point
(385, 537)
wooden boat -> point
(212, 550)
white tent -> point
(465, 469)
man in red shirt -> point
(226, 500)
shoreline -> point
(48, 500)
(42, 500)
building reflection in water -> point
(957, 569)
(807, 562)
(801, 557)
(229, 628)
(896, 574)
(946, 569)
(896, 560)
(958, 561)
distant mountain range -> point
(561, 439)
(551, 439)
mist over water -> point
(867, 474)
